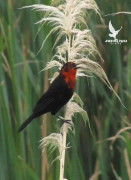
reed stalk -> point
(63, 151)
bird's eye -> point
(73, 66)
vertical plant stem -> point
(44, 133)
(63, 149)
(65, 127)
(70, 45)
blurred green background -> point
(21, 85)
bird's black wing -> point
(54, 98)
(52, 90)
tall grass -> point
(21, 84)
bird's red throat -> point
(70, 78)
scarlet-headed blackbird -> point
(58, 94)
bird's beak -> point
(77, 66)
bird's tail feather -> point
(26, 122)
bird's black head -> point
(69, 66)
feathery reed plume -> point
(69, 20)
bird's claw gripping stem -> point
(67, 121)
(63, 120)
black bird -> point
(58, 94)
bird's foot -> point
(63, 120)
(67, 121)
